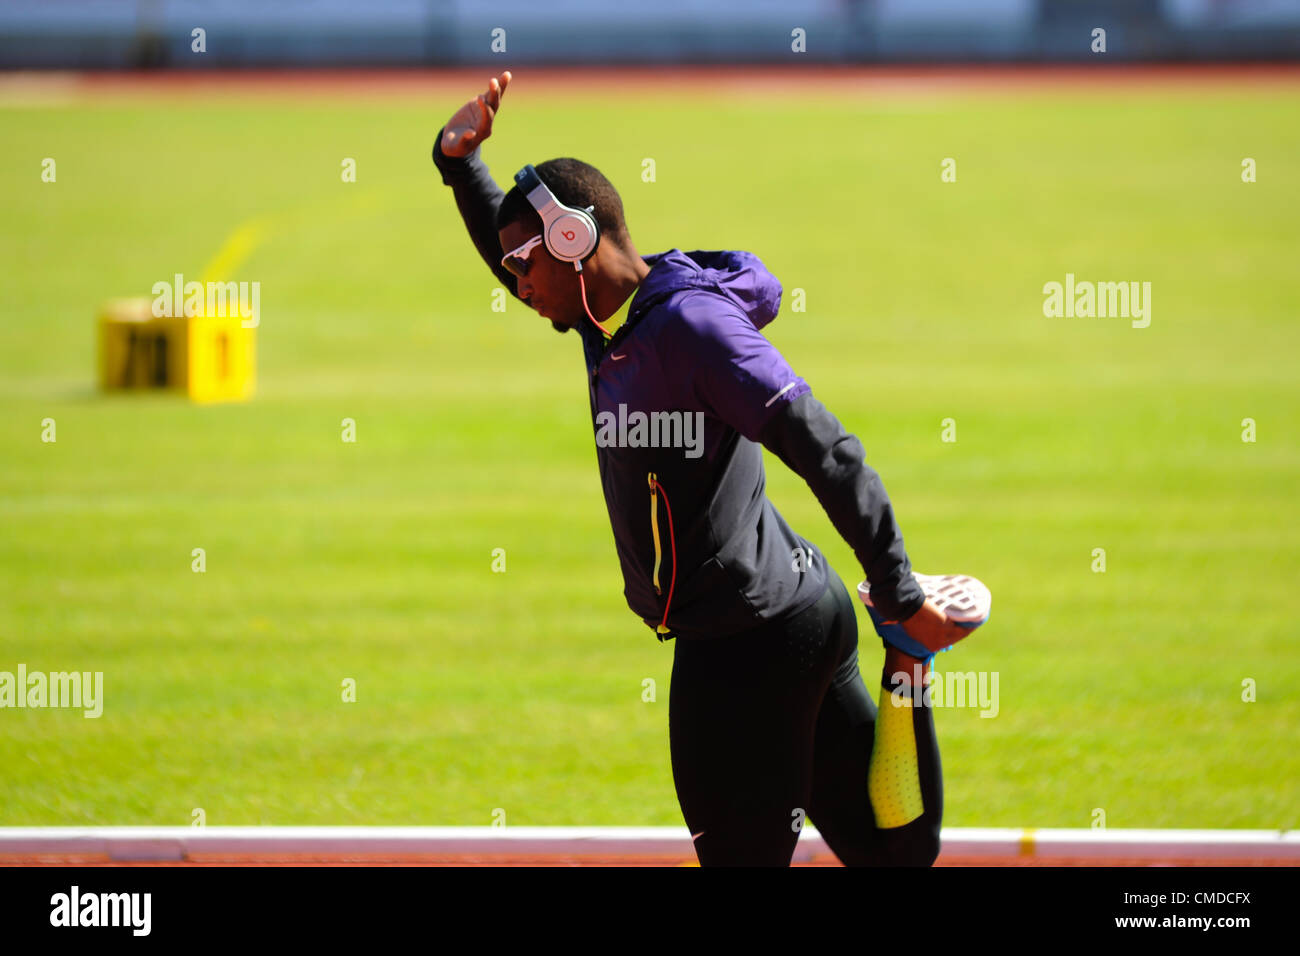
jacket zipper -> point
(656, 490)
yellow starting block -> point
(208, 358)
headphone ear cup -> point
(573, 235)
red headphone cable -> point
(583, 286)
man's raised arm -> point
(742, 380)
(815, 446)
(456, 154)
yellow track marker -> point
(1027, 841)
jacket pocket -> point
(657, 492)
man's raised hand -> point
(933, 628)
(955, 604)
(472, 123)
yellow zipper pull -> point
(654, 527)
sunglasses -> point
(516, 261)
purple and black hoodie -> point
(703, 552)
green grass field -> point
(523, 691)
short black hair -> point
(574, 183)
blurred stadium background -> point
(371, 561)
(88, 34)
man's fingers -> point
(496, 87)
(473, 123)
(932, 627)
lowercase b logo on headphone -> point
(570, 234)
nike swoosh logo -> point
(616, 357)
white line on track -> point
(177, 843)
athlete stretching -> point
(769, 719)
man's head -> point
(551, 286)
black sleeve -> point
(477, 197)
(814, 445)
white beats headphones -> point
(570, 234)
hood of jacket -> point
(740, 276)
